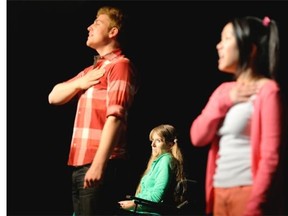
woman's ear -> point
(253, 51)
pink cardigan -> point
(265, 140)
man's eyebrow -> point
(98, 20)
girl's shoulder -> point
(268, 85)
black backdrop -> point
(172, 44)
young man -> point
(105, 92)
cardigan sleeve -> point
(204, 127)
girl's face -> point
(228, 51)
(158, 145)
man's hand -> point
(91, 78)
(92, 177)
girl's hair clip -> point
(266, 21)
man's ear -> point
(113, 32)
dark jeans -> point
(101, 200)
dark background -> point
(173, 45)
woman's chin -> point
(155, 154)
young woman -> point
(164, 170)
(242, 122)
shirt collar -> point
(109, 56)
(160, 156)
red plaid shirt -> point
(112, 96)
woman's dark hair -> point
(264, 35)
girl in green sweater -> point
(164, 170)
